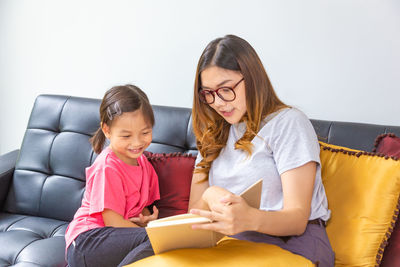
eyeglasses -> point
(225, 93)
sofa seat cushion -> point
(32, 241)
(228, 252)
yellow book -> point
(176, 231)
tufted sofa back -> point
(49, 177)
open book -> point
(176, 231)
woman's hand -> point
(213, 195)
(145, 217)
(231, 215)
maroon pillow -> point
(174, 172)
(389, 145)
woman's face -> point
(213, 78)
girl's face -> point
(213, 78)
(129, 136)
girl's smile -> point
(129, 136)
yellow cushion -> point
(228, 252)
(363, 195)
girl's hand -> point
(143, 218)
(230, 216)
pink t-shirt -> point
(113, 184)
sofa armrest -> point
(7, 166)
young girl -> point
(121, 183)
(245, 132)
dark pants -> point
(313, 244)
(109, 246)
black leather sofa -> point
(41, 185)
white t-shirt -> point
(286, 140)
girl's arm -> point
(232, 215)
(145, 217)
(114, 219)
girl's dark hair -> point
(232, 53)
(117, 100)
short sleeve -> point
(294, 142)
(199, 158)
(107, 192)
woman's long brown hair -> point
(211, 130)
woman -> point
(245, 133)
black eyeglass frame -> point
(213, 92)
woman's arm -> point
(202, 195)
(197, 188)
(297, 186)
(114, 219)
(232, 215)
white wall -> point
(334, 59)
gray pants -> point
(108, 247)
(313, 244)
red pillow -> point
(174, 172)
(389, 145)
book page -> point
(179, 219)
(174, 218)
